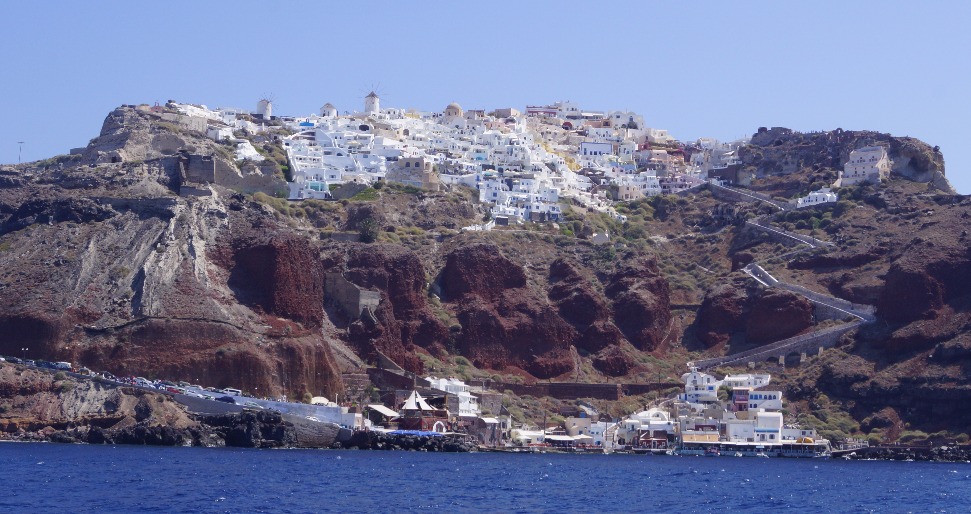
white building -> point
(328, 111)
(468, 404)
(264, 108)
(372, 103)
(593, 148)
(822, 196)
(868, 164)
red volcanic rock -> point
(582, 306)
(642, 303)
(36, 331)
(481, 270)
(504, 322)
(721, 314)
(518, 330)
(777, 314)
(852, 258)
(215, 354)
(405, 319)
(282, 276)
(910, 295)
(927, 275)
(613, 361)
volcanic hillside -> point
(155, 252)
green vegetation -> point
(369, 230)
(366, 195)
(829, 419)
(275, 154)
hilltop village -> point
(521, 163)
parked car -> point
(226, 399)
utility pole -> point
(20, 152)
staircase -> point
(610, 438)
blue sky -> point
(717, 69)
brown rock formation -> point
(614, 361)
(504, 322)
(765, 316)
(642, 303)
(583, 307)
(281, 276)
(405, 318)
(777, 314)
(721, 314)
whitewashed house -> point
(821, 196)
(868, 164)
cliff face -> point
(781, 157)
(504, 321)
(126, 276)
(762, 316)
(40, 406)
(405, 319)
(106, 260)
(642, 303)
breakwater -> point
(371, 440)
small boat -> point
(712, 451)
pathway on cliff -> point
(803, 343)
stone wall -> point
(353, 300)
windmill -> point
(264, 108)
(372, 100)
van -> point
(233, 392)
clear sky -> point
(717, 69)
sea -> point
(43, 477)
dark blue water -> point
(78, 478)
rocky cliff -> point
(785, 162)
(146, 255)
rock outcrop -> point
(404, 318)
(764, 316)
(582, 306)
(641, 303)
(817, 156)
(504, 321)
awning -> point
(416, 402)
(564, 438)
(383, 410)
(583, 437)
(490, 421)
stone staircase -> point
(610, 438)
